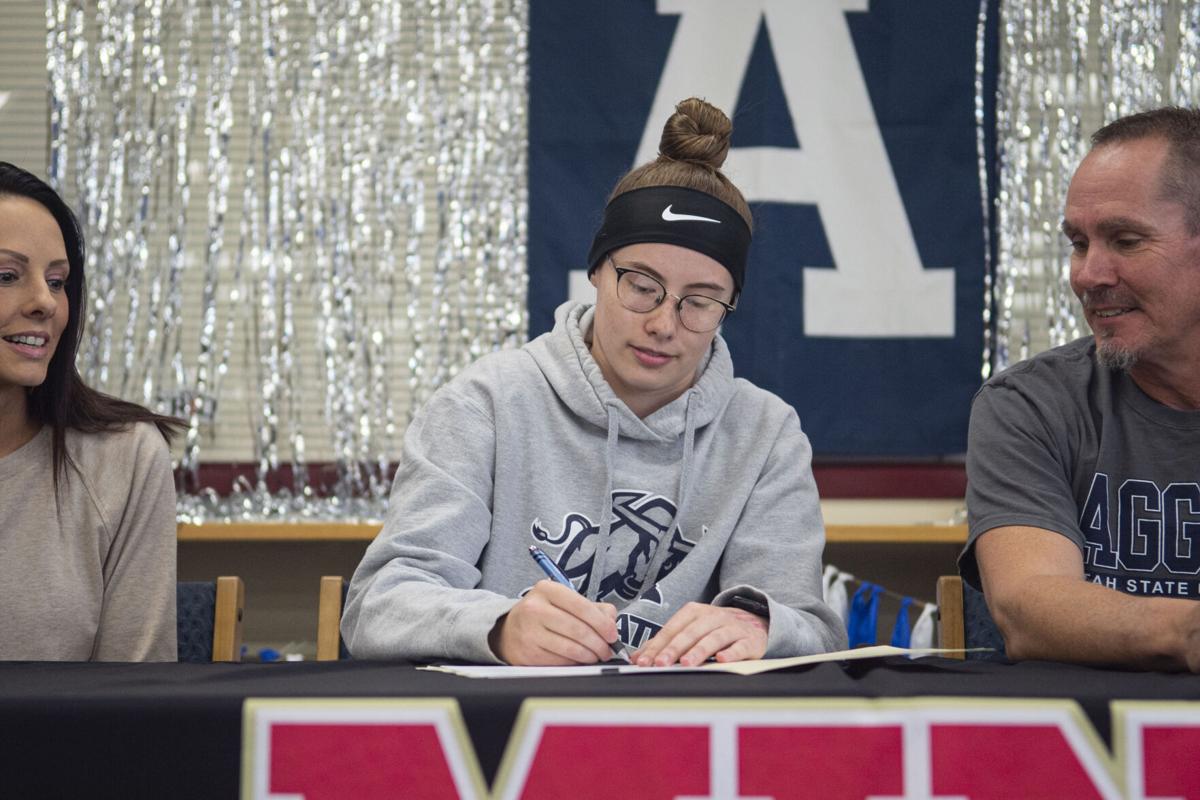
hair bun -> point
(694, 144)
(697, 132)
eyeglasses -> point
(641, 294)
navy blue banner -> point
(855, 144)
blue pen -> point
(549, 567)
(555, 574)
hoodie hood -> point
(563, 355)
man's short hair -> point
(1180, 127)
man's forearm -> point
(1066, 619)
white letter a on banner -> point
(879, 287)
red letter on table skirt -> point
(603, 762)
(331, 761)
(1171, 757)
(983, 761)
(827, 762)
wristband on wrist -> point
(752, 605)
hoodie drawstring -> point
(685, 488)
(601, 552)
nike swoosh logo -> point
(671, 216)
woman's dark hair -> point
(63, 400)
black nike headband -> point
(675, 215)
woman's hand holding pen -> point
(553, 625)
(699, 631)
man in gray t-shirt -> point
(1084, 462)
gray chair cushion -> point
(979, 628)
(195, 610)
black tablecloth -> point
(174, 730)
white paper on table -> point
(735, 667)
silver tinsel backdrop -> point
(301, 218)
(1067, 67)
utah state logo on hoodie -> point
(639, 522)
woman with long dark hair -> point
(87, 499)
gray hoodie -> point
(709, 497)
